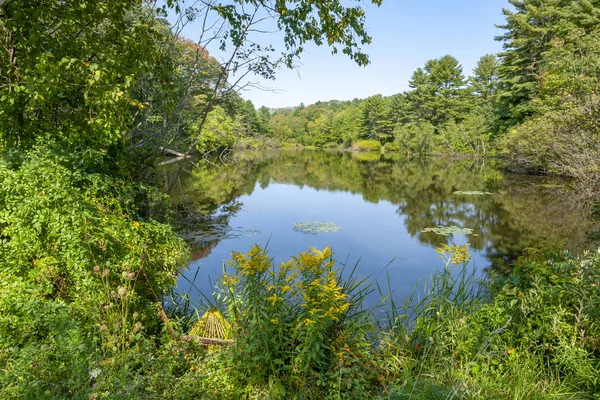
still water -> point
(384, 207)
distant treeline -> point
(536, 102)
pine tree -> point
(439, 92)
(529, 30)
(485, 79)
(376, 122)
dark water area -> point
(385, 207)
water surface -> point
(383, 205)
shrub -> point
(297, 328)
(470, 136)
(367, 145)
(391, 147)
(530, 334)
(79, 250)
(331, 145)
(416, 139)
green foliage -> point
(571, 75)
(416, 139)
(470, 136)
(367, 145)
(529, 30)
(485, 80)
(216, 131)
(391, 147)
(527, 335)
(560, 142)
(70, 238)
(375, 120)
(297, 327)
(70, 69)
(439, 91)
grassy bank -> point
(298, 331)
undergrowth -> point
(84, 272)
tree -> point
(400, 109)
(319, 130)
(485, 79)
(69, 69)
(376, 122)
(345, 125)
(439, 91)
(110, 73)
(529, 30)
(217, 131)
(264, 117)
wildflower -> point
(510, 351)
(456, 255)
(94, 373)
(256, 261)
(273, 299)
(103, 327)
(96, 269)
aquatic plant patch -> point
(315, 227)
(448, 230)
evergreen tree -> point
(485, 79)
(439, 91)
(399, 106)
(529, 30)
(376, 122)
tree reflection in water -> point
(521, 212)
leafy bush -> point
(531, 334)
(367, 145)
(79, 252)
(416, 139)
(331, 145)
(391, 147)
(297, 328)
(470, 136)
(565, 142)
(216, 131)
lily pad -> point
(448, 230)
(314, 227)
(214, 232)
(470, 193)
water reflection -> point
(521, 212)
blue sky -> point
(406, 33)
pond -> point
(382, 213)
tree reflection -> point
(520, 213)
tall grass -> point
(298, 331)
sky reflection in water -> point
(382, 205)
